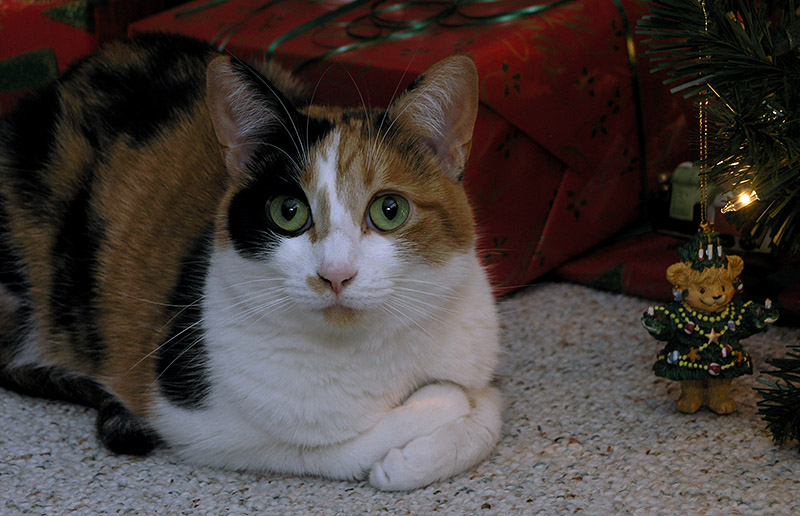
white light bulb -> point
(744, 199)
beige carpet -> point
(589, 430)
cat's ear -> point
(440, 107)
(244, 110)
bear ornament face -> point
(709, 290)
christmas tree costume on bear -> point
(703, 326)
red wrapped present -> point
(572, 128)
(636, 264)
(39, 38)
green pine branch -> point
(744, 59)
(780, 403)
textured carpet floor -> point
(588, 430)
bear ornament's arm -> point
(757, 317)
(656, 320)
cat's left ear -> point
(244, 110)
(440, 106)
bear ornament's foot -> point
(711, 393)
(691, 398)
(717, 393)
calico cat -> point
(256, 284)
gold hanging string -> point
(703, 168)
(705, 225)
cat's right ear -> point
(242, 110)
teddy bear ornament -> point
(702, 327)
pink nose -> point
(337, 278)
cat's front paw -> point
(426, 410)
(406, 468)
(450, 449)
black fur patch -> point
(74, 289)
(54, 384)
(272, 171)
(122, 432)
(416, 82)
(247, 219)
(181, 368)
(12, 276)
(27, 136)
(118, 429)
(139, 100)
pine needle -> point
(780, 403)
(745, 64)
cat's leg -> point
(452, 448)
(51, 383)
(426, 410)
(117, 428)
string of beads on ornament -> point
(683, 319)
(713, 368)
(686, 317)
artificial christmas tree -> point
(739, 59)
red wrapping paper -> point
(40, 38)
(636, 264)
(572, 128)
(37, 40)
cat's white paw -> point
(408, 467)
(450, 449)
(445, 395)
(426, 410)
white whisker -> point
(366, 114)
(399, 293)
(296, 139)
(266, 144)
(166, 342)
(253, 281)
(180, 355)
(376, 145)
(410, 319)
(419, 311)
(439, 295)
(311, 100)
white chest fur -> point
(306, 389)
(304, 382)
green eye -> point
(388, 212)
(288, 214)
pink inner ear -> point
(224, 126)
(219, 85)
(238, 112)
(442, 108)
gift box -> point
(572, 128)
(39, 38)
(635, 263)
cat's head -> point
(340, 217)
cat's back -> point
(109, 179)
(142, 94)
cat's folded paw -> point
(446, 401)
(428, 409)
(405, 468)
(453, 447)
(122, 432)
